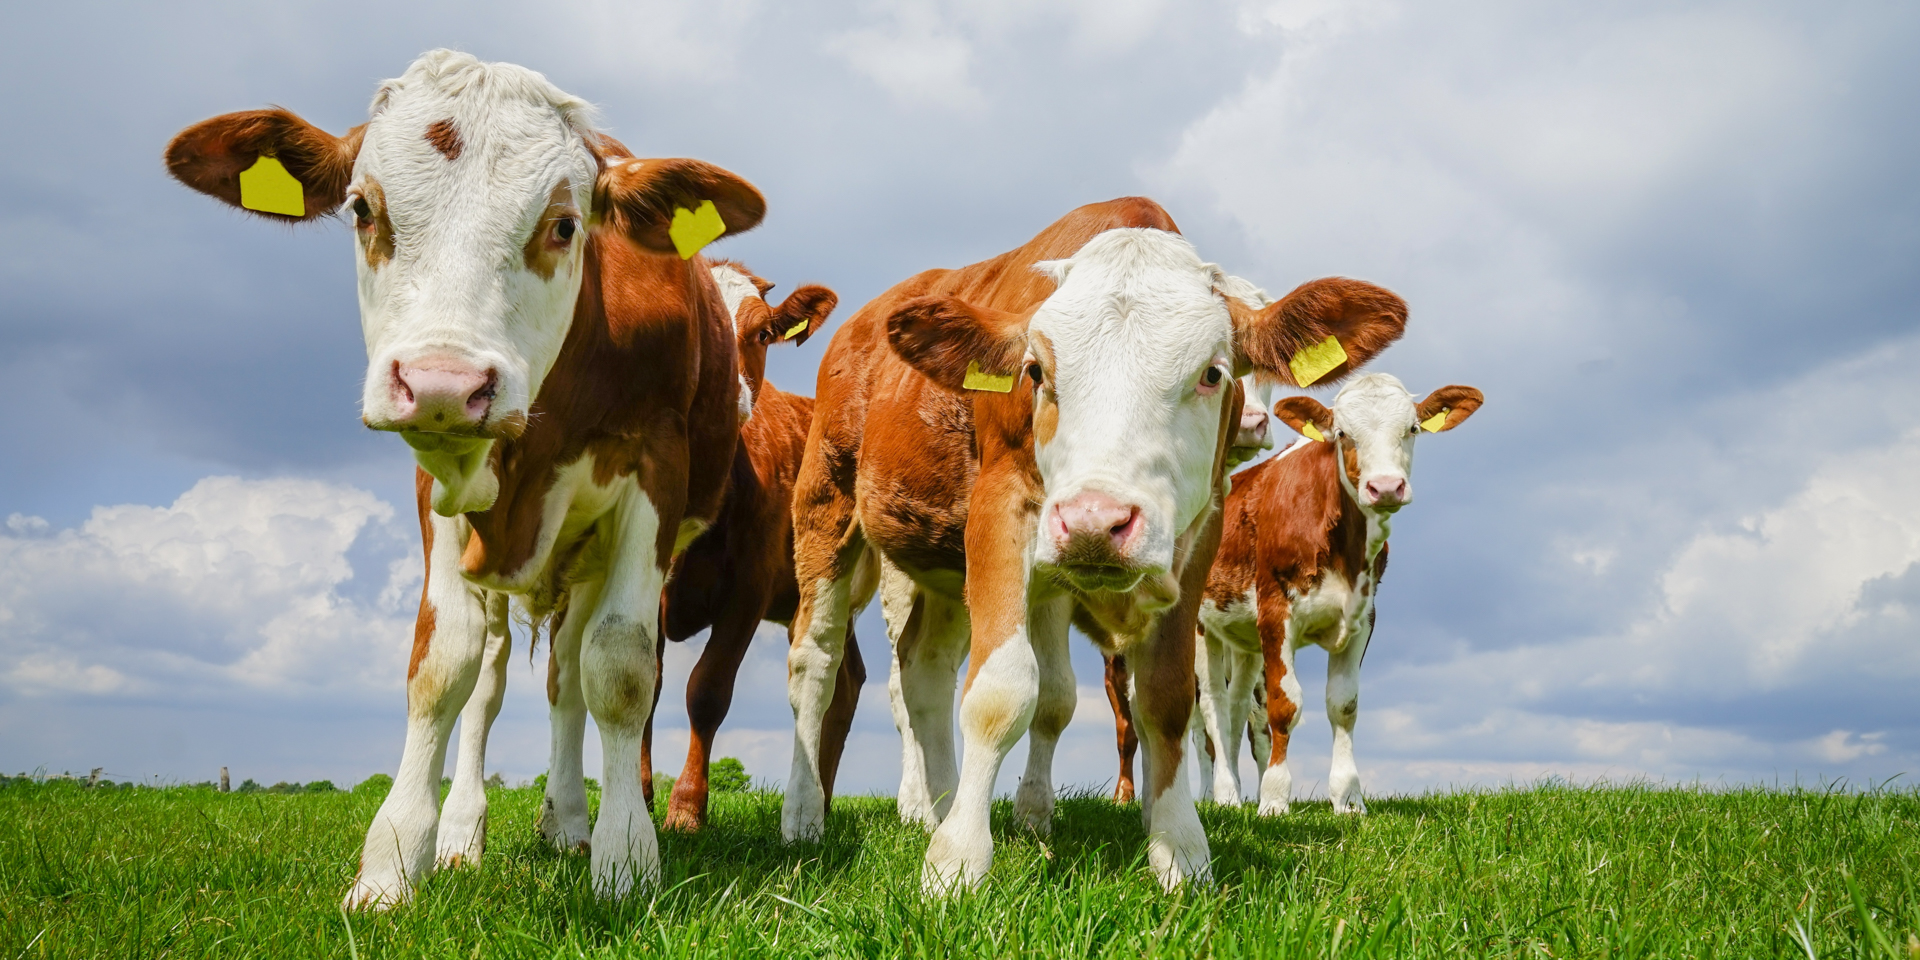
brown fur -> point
(445, 138)
(1365, 318)
(423, 624)
(210, 155)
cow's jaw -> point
(467, 289)
(1121, 432)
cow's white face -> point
(1376, 417)
(1133, 354)
(470, 196)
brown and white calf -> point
(1300, 562)
(541, 333)
(1032, 439)
(740, 572)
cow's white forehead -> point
(1138, 296)
(519, 135)
(736, 288)
(1374, 399)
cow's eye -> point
(563, 229)
(1212, 376)
(766, 336)
(1210, 381)
(363, 211)
(1034, 372)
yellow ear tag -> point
(269, 188)
(1434, 423)
(1314, 362)
(694, 229)
(1313, 433)
(978, 379)
(794, 330)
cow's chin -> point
(506, 427)
(1125, 606)
(1099, 577)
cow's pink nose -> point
(1253, 427)
(1388, 491)
(441, 394)
(1094, 515)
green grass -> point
(1549, 871)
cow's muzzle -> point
(439, 395)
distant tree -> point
(496, 782)
(376, 785)
(247, 786)
(320, 786)
(728, 775)
(284, 787)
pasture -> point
(1548, 871)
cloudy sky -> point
(1675, 245)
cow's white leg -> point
(617, 677)
(994, 714)
(925, 663)
(449, 639)
(563, 813)
(1176, 842)
(1276, 784)
(1243, 672)
(1259, 739)
(813, 662)
(1047, 626)
(1343, 707)
(463, 818)
(1213, 665)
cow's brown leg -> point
(646, 738)
(709, 697)
(1122, 726)
(839, 719)
(1283, 698)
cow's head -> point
(473, 189)
(1131, 360)
(758, 325)
(1373, 424)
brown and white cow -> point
(740, 572)
(540, 332)
(1034, 438)
(1300, 562)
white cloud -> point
(917, 56)
(237, 585)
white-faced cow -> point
(1300, 561)
(1034, 439)
(540, 332)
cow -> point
(542, 333)
(1300, 562)
(1035, 439)
(740, 572)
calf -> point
(541, 333)
(741, 571)
(1300, 561)
(1032, 439)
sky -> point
(1675, 244)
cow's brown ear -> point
(803, 312)
(212, 155)
(1318, 334)
(958, 345)
(1307, 416)
(1448, 407)
(675, 206)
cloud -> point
(916, 56)
(238, 587)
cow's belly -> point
(569, 545)
(1330, 612)
(1237, 622)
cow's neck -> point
(462, 471)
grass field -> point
(1549, 871)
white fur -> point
(1005, 688)
(813, 665)
(921, 671)
(457, 285)
(736, 288)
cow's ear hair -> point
(1448, 407)
(1318, 334)
(210, 156)
(644, 198)
(1307, 416)
(803, 312)
(947, 338)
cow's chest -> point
(1236, 621)
(1331, 611)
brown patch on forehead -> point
(543, 257)
(445, 138)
